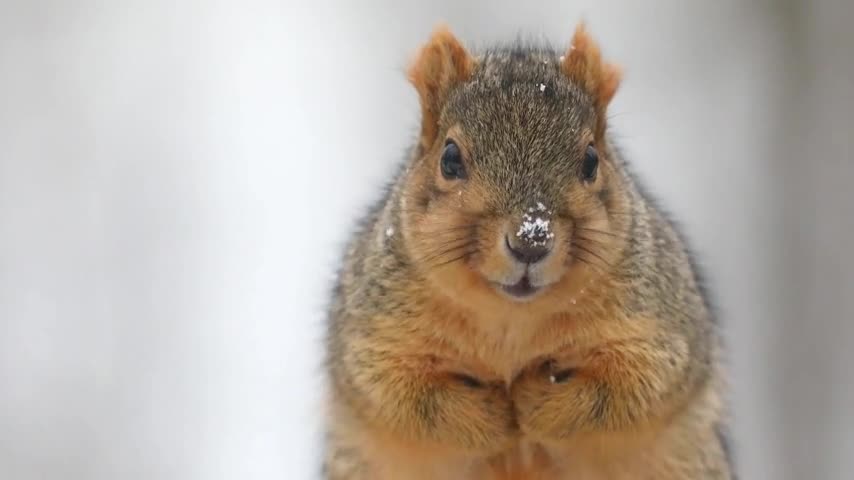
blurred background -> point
(177, 180)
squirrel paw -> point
(482, 411)
(548, 399)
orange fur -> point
(440, 65)
(584, 65)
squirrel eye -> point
(590, 164)
(452, 162)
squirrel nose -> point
(528, 251)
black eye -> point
(590, 164)
(452, 162)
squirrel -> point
(516, 306)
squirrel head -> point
(513, 191)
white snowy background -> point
(178, 178)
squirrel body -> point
(516, 306)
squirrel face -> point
(513, 190)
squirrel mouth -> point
(521, 290)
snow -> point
(532, 228)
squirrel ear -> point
(583, 65)
(440, 65)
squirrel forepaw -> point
(546, 398)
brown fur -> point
(442, 63)
(435, 373)
(583, 65)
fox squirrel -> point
(516, 307)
